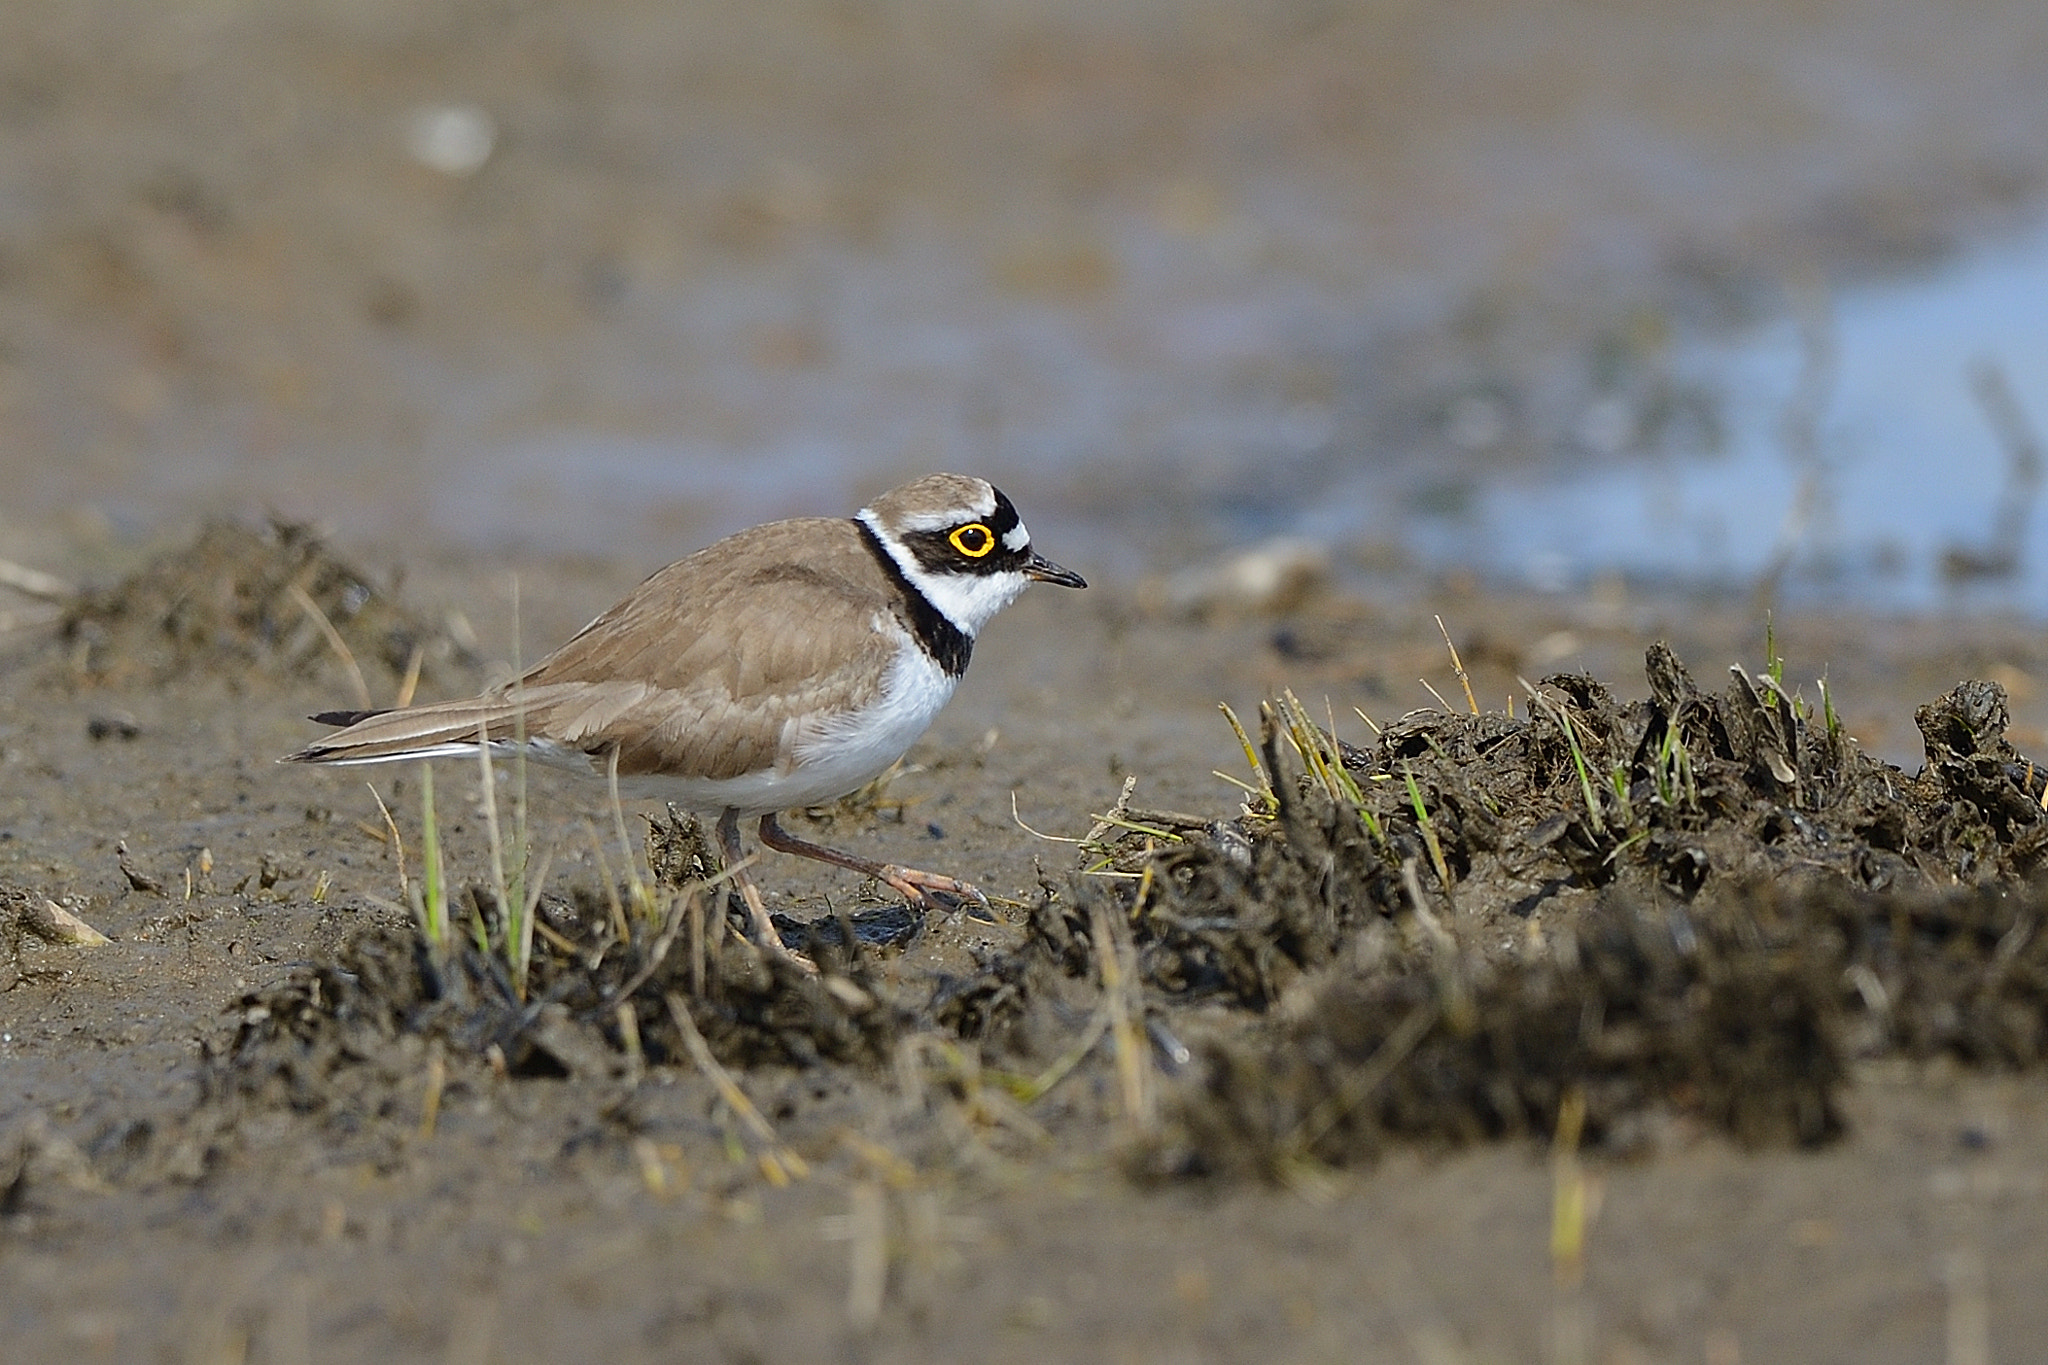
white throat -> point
(968, 600)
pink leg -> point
(907, 882)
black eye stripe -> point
(934, 550)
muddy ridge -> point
(275, 598)
(1695, 909)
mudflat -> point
(1497, 1053)
(1632, 1010)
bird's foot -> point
(924, 888)
(927, 890)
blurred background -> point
(1549, 292)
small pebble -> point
(454, 139)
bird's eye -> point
(973, 540)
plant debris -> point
(599, 997)
(1695, 909)
(1493, 824)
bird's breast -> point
(857, 745)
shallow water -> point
(1842, 446)
(1211, 399)
(1856, 446)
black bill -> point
(1045, 571)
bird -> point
(781, 667)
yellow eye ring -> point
(973, 540)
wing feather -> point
(702, 671)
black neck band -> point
(949, 646)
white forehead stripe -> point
(943, 519)
(1016, 538)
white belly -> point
(831, 756)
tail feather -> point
(415, 732)
(561, 723)
(340, 718)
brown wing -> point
(696, 672)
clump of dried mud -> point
(601, 1002)
(275, 599)
(1747, 901)
(1740, 1012)
(1501, 822)
(1698, 908)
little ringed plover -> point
(781, 667)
